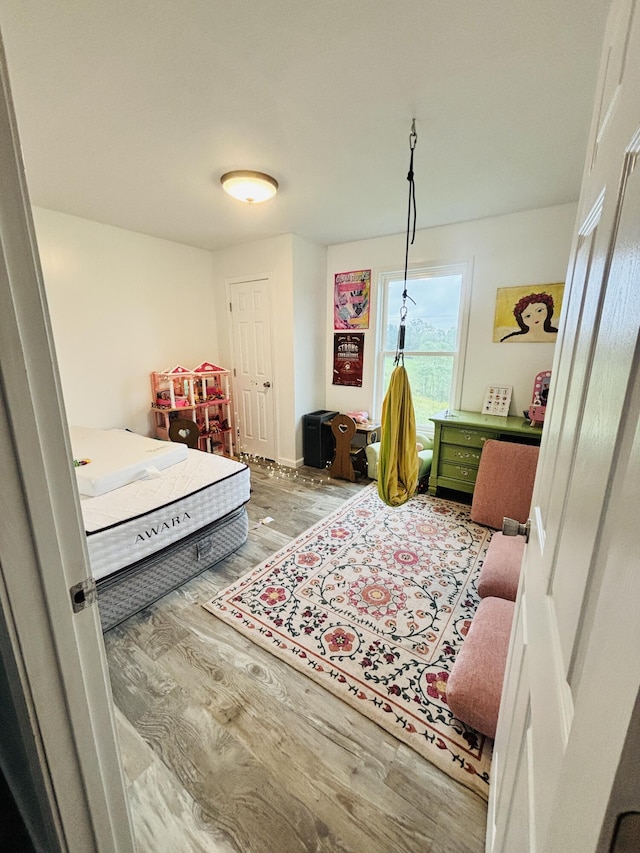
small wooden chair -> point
(185, 431)
(343, 428)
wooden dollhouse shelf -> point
(208, 405)
(201, 395)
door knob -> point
(511, 527)
(266, 385)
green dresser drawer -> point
(464, 473)
(459, 437)
(466, 437)
(460, 455)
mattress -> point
(111, 458)
(127, 525)
(136, 587)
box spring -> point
(133, 588)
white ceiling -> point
(130, 110)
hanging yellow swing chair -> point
(398, 463)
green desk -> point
(458, 441)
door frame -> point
(246, 279)
(53, 660)
(559, 655)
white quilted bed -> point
(137, 530)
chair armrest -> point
(425, 441)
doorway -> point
(250, 304)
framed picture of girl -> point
(528, 314)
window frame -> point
(414, 272)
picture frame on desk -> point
(497, 399)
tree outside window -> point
(432, 336)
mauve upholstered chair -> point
(500, 572)
(504, 485)
(474, 687)
(504, 488)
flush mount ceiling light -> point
(251, 187)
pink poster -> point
(351, 300)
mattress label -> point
(157, 529)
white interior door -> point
(252, 366)
(574, 669)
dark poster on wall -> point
(348, 353)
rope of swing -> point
(411, 230)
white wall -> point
(520, 249)
(122, 304)
(310, 301)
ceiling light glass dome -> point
(250, 187)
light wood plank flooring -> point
(225, 748)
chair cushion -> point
(474, 688)
(425, 440)
(425, 458)
(504, 484)
(500, 572)
(373, 452)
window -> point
(434, 337)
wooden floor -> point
(226, 748)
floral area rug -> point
(373, 602)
